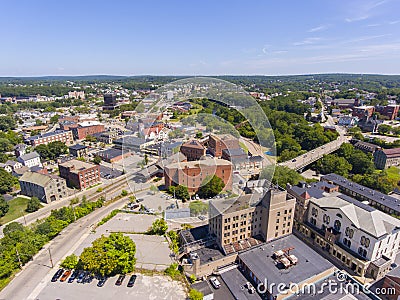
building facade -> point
(363, 239)
(386, 158)
(193, 173)
(193, 150)
(87, 128)
(80, 174)
(78, 150)
(30, 160)
(47, 188)
(233, 222)
(217, 143)
(58, 135)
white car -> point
(214, 281)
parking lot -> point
(152, 253)
(155, 201)
(109, 173)
(145, 287)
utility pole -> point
(19, 258)
(51, 259)
(23, 216)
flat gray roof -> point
(366, 192)
(235, 282)
(261, 263)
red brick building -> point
(87, 128)
(388, 111)
(193, 173)
(217, 143)
(193, 150)
(363, 111)
(79, 174)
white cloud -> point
(307, 41)
(318, 28)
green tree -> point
(199, 134)
(345, 150)
(181, 192)
(110, 255)
(384, 129)
(70, 262)
(90, 138)
(4, 206)
(361, 163)
(33, 204)
(281, 176)
(124, 193)
(331, 163)
(96, 160)
(159, 227)
(195, 295)
(7, 181)
(211, 187)
(54, 119)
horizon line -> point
(198, 75)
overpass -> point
(308, 158)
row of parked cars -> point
(86, 277)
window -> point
(337, 225)
(326, 219)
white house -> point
(30, 159)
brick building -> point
(193, 173)
(388, 111)
(217, 143)
(87, 128)
(80, 174)
(193, 150)
(363, 111)
(58, 135)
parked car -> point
(65, 275)
(57, 275)
(120, 280)
(88, 278)
(102, 281)
(73, 276)
(139, 200)
(132, 280)
(214, 281)
(202, 218)
(81, 277)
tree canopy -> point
(211, 187)
(110, 255)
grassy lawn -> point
(198, 207)
(394, 173)
(17, 207)
(243, 146)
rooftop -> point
(37, 178)
(363, 217)
(111, 153)
(77, 147)
(261, 263)
(368, 193)
(208, 161)
(29, 156)
(47, 134)
(193, 144)
(235, 282)
(395, 152)
(77, 165)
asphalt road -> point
(29, 282)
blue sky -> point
(199, 37)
